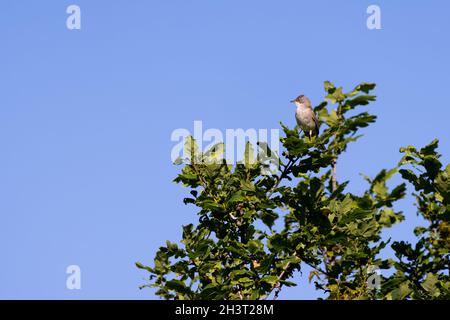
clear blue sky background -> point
(86, 116)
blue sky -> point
(86, 116)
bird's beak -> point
(292, 101)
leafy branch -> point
(255, 231)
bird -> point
(305, 116)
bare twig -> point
(333, 176)
(283, 174)
(278, 285)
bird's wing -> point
(316, 121)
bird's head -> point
(302, 100)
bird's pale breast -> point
(304, 117)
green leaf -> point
(247, 186)
(268, 217)
(211, 291)
(291, 260)
(238, 196)
(277, 242)
(400, 293)
(430, 283)
(329, 87)
(249, 155)
(245, 282)
(361, 120)
(215, 153)
(380, 188)
(336, 96)
(356, 215)
(409, 175)
(361, 100)
(178, 161)
(443, 183)
(254, 246)
(178, 286)
(366, 87)
(272, 280)
(141, 266)
(288, 283)
(344, 206)
(430, 149)
(210, 205)
(191, 149)
(255, 294)
(240, 273)
(332, 118)
(321, 106)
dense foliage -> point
(255, 231)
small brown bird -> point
(305, 116)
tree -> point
(422, 270)
(256, 231)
